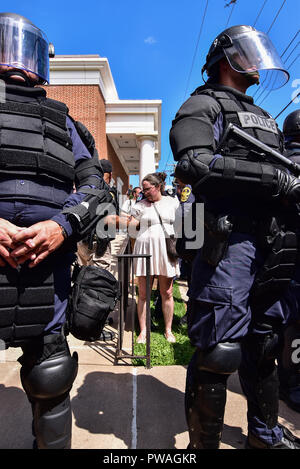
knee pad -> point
(50, 372)
(224, 358)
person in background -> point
(107, 176)
(151, 240)
(186, 199)
(94, 250)
(131, 201)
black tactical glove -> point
(288, 186)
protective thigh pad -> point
(224, 358)
(51, 374)
(275, 275)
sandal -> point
(141, 338)
(170, 337)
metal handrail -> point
(126, 281)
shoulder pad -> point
(201, 105)
(193, 125)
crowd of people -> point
(244, 286)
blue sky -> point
(156, 48)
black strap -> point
(160, 221)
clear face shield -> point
(24, 47)
(252, 50)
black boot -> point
(106, 335)
(183, 320)
(288, 441)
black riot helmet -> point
(291, 125)
(23, 46)
(248, 50)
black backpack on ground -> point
(93, 296)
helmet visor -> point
(253, 50)
(23, 46)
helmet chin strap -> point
(9, 74)
(250, 77)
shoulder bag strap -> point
(160, 220)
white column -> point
(147, 157)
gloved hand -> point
(288, 186)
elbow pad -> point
(190, 169)
(84, 216)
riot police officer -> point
(288, 360)
(42, 157)
(236, 316)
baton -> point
(272, 155)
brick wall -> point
(86, 104)
(118, 170)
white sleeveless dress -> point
(151, 239)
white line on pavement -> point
(134, 408)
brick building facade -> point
(126, 132)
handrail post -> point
(128, 261)
(148, 312)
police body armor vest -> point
(275, 275)
(34, 138)
(254, 120)
(34, 143)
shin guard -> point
(48, 372)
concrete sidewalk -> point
(120, 406)
(117, 407)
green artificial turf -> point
(163, 353)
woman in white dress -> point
(151, 240)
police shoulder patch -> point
(185, 194)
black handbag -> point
(93, 296)
(170, 241)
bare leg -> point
(141, 307)
(166, 292)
